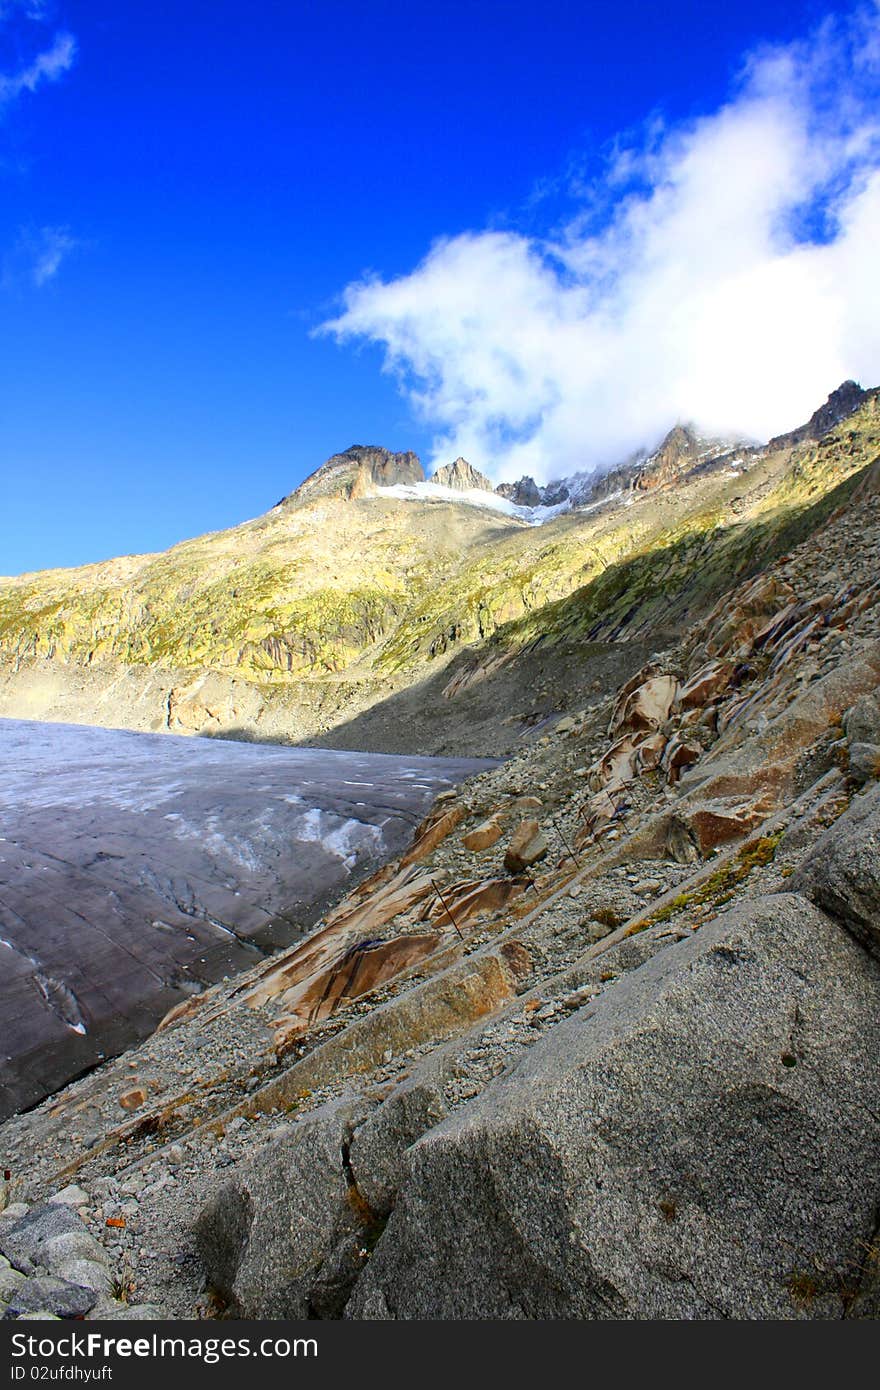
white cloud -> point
(725, 271)
(47, 66)
(49, 248)
(36, 256)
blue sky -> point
(188, 190)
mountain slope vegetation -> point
(296, 624)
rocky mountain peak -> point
(678, 451)
(524, 493)
(462, 476)
(357, 471)
(840, 404)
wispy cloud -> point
(46, 66)
(31, 9)
(37, 253)
(36, 256)
(723, 271)
(50, 248)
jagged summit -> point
(357, 470)
(462, 477)
(362, 468)
(682, 452)
(841, 403)
(524, 493)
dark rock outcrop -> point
(839, 405)
(524, 493)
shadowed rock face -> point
(525, 492)
(136, 868)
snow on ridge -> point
(473, 497)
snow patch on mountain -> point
(472, 497)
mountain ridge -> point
(294, 624)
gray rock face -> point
(61, 1270)
(28, 1243)
(379, 1145)
(841, 874)
(555, 492)
(841, 403)
(703, 1141)
(864, 761)
(77, 1257)
(10, 1279)
(283, 1239)
(862, 723)
(48, 1294)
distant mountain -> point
(463, 477)
(525, 493)
(369, 580)
(843, 402)
(356, 471)
(679, 452)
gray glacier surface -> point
(136, 868)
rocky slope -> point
(604, 1041)
(301, 624)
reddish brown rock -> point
(737, 618)
(711, 680)
(599, 811)
(344, 928)
(616, 767)
(516, 959)
(527, 846)
(717, 823)
(186, 1009)
(471, 899)
(366, 914)
(483, 835)
(134, 1099)
(649, 753)
(431, 832)
(363, 967)
(680, 753)
(647, 706)
(441, 1006)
